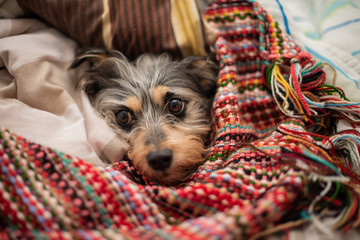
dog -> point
(159, 106)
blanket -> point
(316, 27)
(285, 148)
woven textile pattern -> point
(264, 168)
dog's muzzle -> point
(160, 160)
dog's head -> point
(159, 106)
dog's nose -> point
(160, 160)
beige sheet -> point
(38, 97)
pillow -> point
(132, 27)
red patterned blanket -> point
(276, 160)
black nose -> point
(160, 160)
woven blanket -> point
(276, 160)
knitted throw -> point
(276, 161)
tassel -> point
(349, 218)
(347, 144)
(300, 92)
(285, 92)
(332, 178)
(341, 149)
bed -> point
(284, 160)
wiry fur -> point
(113, 83)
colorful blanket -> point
(276, 160)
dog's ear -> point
(100, 70)
(94, 56)
(204, 72)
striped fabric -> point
(133, 27)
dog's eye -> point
(123, 118)
(175, 105)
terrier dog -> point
(159, 106)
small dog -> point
(159, 106)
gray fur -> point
(112, 79)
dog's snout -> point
(160, 160)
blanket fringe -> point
(300, 92)
(333, 164)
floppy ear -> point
(100, 70)
(94, 56)
(204, 72)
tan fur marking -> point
(187, 155)
(159, 93)
(133, 103)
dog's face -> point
(160, 107)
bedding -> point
(161, 25)
(328, 30)
(284, 161)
